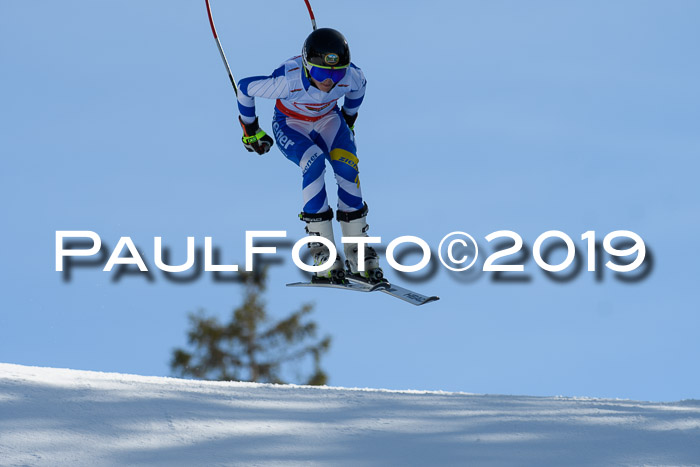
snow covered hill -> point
(67, 417)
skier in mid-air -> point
(309, 129)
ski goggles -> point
(322, 73)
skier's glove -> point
(350, 120)
(254, 139)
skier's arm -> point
(274, 86)
(353, 99)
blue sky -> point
(118, 117)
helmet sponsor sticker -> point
(331, 59)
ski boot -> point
(353, 224)
(321, 224)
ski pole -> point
(221, 50)
(311, 13)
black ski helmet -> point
(327, 48)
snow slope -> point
(67, 417)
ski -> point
(359, 285)
(355, 286)
(396, 291)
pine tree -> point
(248, 348)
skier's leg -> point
(352, 211)
(294, 142)
(343, 157)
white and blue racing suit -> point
(310, 129)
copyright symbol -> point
(467, 242)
